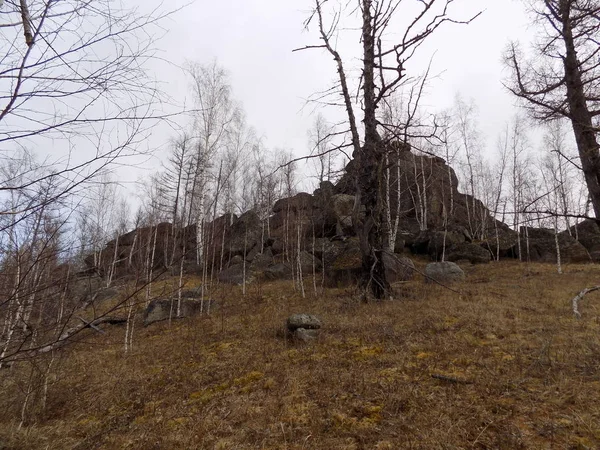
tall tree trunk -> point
(370, 176)
(581, 118)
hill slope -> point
(504, 365)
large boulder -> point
(345, 267)
(262, 260)
(343, 206)
(237, 274)
(299, 202)
(279, 271)
(443, 272)
(308, 262)
(164, 309)
(397, 267)
(501, 240)
(587, 233)
(473, 253)
(539, 245)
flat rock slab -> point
(306, 321)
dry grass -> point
(231, 381)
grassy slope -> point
(231, 381)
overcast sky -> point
(254, 39)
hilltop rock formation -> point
(314, 233)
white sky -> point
(254, 39)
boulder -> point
(308, 262)
(473, 253)
(343, 205)
(306, 321)
(539, 245)
(397, 267)
(344, 268)
(235, 274)
(237, 259)
(587, 233)
(244, 234)
(163, 309)
(279, 271)
(443, 272)
(501, 240)
(262, 260)
(299, 202)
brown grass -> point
(231, 381)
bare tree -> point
(320, 145)
(383, 70)
(76, 82)
(562, 79)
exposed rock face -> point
(473, 253)
(345, 264)
(541, 246)
(435, 220)
(500, 240)
(129, 255)
(237, 274)
(163, 309)
(443, 272)
(587, 233)
(397, 267)
(279, 271)
(343, 206)
(420, 180)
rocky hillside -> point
(313, 233)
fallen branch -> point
(64, 337)
(579, 297)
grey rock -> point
(279, 271)
(398, 268)
(473, 253)
(443, 272)
(306, 321)
(237, 259)
(235, 274)
(542, 246)
(263, 260)
(306, 335)
(308, 262)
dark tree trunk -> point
(369, 176)
(581, 118)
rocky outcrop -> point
(539, 245)
(474, 253)
(587, 233)
(435, 220)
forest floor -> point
(503, 365)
